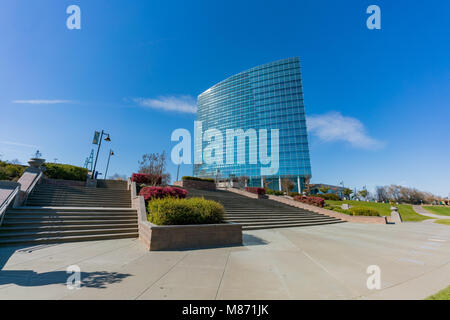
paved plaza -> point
(320, 262)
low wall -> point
(330, 213)
(177, 237)
(246, 193)
(194, 184)
(6, 188)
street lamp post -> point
(111, 153)
(98, 150)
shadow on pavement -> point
(30, 278)
(251, 240)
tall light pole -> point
(111, 153)
(98, 150)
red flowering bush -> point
(256, 190)
(315, 201)
(150, 193)
(146, 178)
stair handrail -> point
(31, 187)
(7, 203)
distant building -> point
(269, 96)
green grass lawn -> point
(443, 211)
(406, 210)
(443, 221)
(441, 295)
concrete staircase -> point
(262, 213)
(46, 195)
(54, 214)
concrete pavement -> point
(320, 262)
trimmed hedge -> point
(10, 171)
(146, 178)
(364, 211)
(173, 211)
(197, 179)
(293, 194)
(65, 172)
(315, 201)
(339, 209)
(274, 192)
(329, 196)
(256, 190)
(150, 193)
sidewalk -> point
(424, 212)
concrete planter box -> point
(178, 237)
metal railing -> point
(7, 202)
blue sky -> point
(377, 100)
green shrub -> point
(197, 179)
(329, 196)
(293, 194)
(274, 192)
(10, 171)
(173, 211)
(65, 171)
(364, 211)
(339, 209)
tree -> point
(307, 186)
(363, 193)
(347, 192)
(287, 185)
(324, 189)
(14, 161)
(381, 194)
(242, 181)
(266, 183)
(155, 163)
(117, 176)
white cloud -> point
(185, 104)
(333, 126)
(41, 101)
(18, 144)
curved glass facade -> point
(268, 97)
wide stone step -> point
(288, 225)
(84, 204)
(62, 239)
(79, 196)
(81, 193)
(87, 212)
(278, 219)
(256, 211)
(255, 214)
(63, 233)
(31, 222)
(69, 217)
(79, 204)
(52, 227)
(69, 213)
(70, 209)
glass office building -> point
(269, 96)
